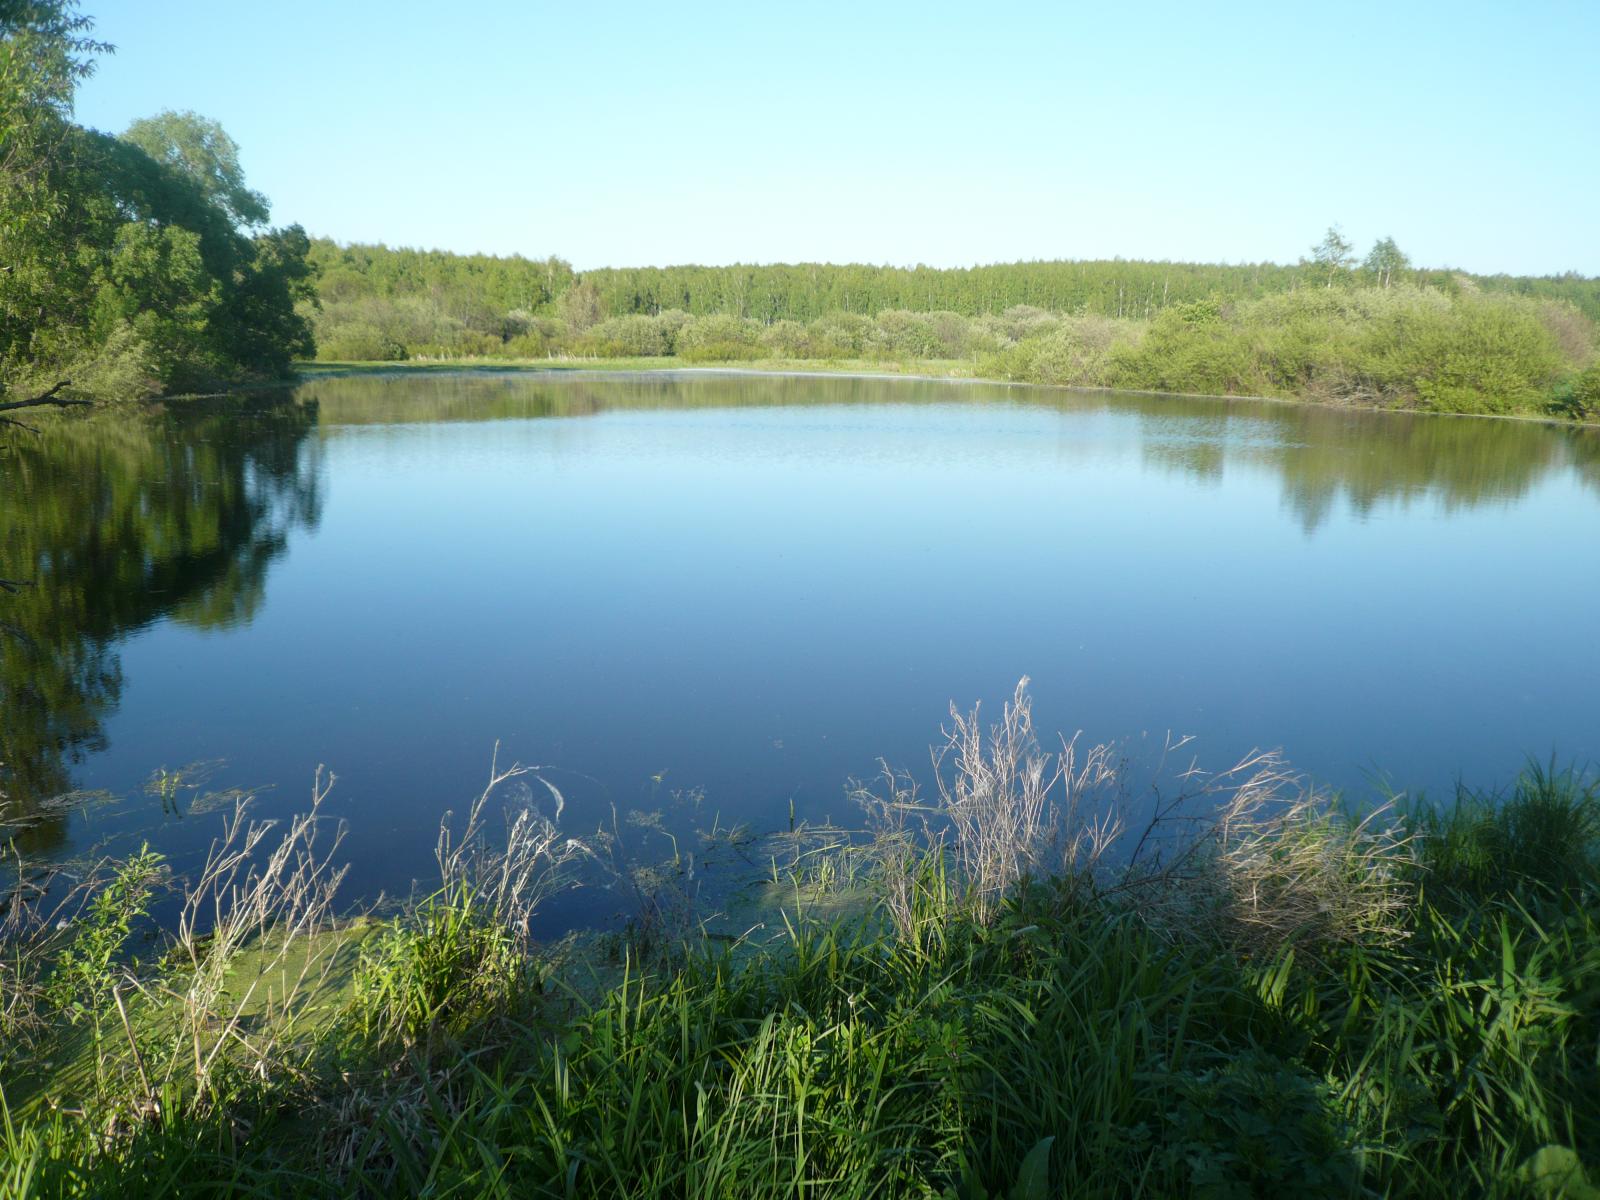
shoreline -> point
(307, 372)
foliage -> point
(1385, 261)
(1389, 343)
(1581, 397)
(126, 265)
(633, 337)
(719, 337)
(81, 973)
(1333, 256)
(200, 150)
(806, 292)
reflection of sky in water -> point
(759, 601)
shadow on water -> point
(117, 521)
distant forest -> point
(1335, 327)
(477, 287)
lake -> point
(747, 589)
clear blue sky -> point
(649, 133)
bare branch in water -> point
(50, 397)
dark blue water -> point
(751, 588)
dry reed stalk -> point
(1251, 854)
(276, 900)
(535, 864)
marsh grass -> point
(463, 955)
(1250, 991)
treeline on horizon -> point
(469, 284)
(1333, 328)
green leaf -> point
(1033, 1180)
(1508, 957)
(1556, 1173)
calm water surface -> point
(751, 588)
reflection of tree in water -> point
(1319, 454)
(1369, 459)
(495, 393)
(119, 521)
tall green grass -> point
(1073, 1037)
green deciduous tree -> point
(1384, 261)
(44, 51)
(199, 149)
(132, 265)
(1333, 255)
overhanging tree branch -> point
(52, 398)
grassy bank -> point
(934, 368)
(1006, 985)
(1395, 347)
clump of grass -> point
(1290, 867)
(251, 952)
(1004, 809)
(1540, 838)
(1253, 854)
(463, 954)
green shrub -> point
(1259, 1128)
(1190, 348)
(900, 334)
(359, 343)
(786, 339)
(1580, 398)
(632, 337)
(672, 320)
(1078, 353)
(1495, 356)
(840, 335)
(719, 337)
(1022, 321)
(526, 345)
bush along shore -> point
(1034, 977)
(1399, 346)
